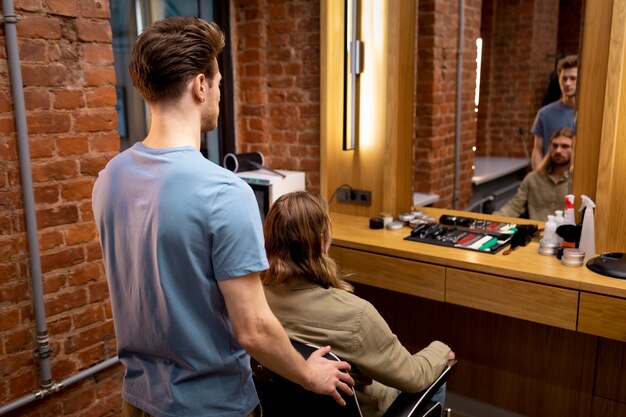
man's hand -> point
(327, 376)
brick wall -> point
(66, 62)
(519, 48)
(278, 83)
(435, 99)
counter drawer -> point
(523, 300)
(396, 274)
(602, 316)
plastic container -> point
(588, 233)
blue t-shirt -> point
(171, 225)
(551, 118)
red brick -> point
(9, 319)
(101, 97)
(53, 283)
(48, 122)
(72, 145)
(60, 326)
(30, 5)
(7, 125)
(8, 150)
(56, 216)
(8, 271)
(80, 234)
(63, 368)
(94, 252)
(95, 120)
(41, 147)
(98, 291)
(77, 190)
(101, 54)
(63, 7)
(98, 8)
(20, 340)
(66, 301)
(89, 337)
(23, 383)
(68, 99)
(36, 99)
(105, 142)
(39, 27)
(96, 76)
(12, 247)
(10, 199)
(91, 355)
(33, 50)
(92, 165)
(84, 273)
(61, 259)
(50, 75)
(76, 401)
(12, 363)
(88, 315)
(90, 30)
(50, 239)
(55, 170)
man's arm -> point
(537, 154)
(259, 332)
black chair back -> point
(282, 398)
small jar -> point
(572, 257)
(548, 247)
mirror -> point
(521, 42)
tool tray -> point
(465, 233)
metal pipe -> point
(457, 121)
(44, 351)
(42, 393)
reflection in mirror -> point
(511, 48)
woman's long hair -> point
(297, 236)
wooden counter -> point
(523, 284)
(532, 335)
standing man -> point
(543, 191)
(558, 114)
(183, 247)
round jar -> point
(572, 257)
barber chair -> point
(280, 397)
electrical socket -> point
(361, 197)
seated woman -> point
(315, 305)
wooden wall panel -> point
(611, 369)
(382, 160)
(527, 368)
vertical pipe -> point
(15, 73)
(457, 122)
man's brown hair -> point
(569, 61)
(170, 52)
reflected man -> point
(558, 114)
(542, 191)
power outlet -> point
(361, 197)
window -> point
(128, 18)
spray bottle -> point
(569, 215)
(588, 236)
(569, 218)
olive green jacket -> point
(358, 334)
(538, 195)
